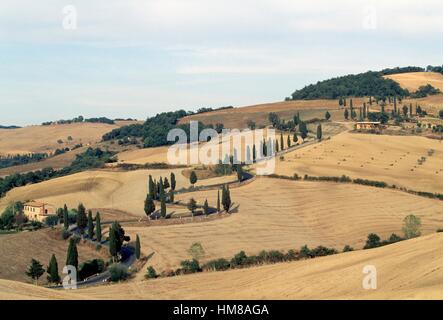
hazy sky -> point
(134, 58)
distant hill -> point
(9, 127)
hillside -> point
(406, 270)
(45, 139)
(413, 80)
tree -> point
(53, 276)
(373, 241)
(251, 124)
(282, 146)
(218, 200)
(196, 251)
(192, 205)
(116, 239)
(412, 225)
(289, 141)
(303, 130)
(193, 178)
(206, 207)
(440, 114)
(340, 102)
(226, 198)
(137, 247)
(319, 132)
(65, 217)
(82, 220)
(346, 114)
(98, 227)
(151, 187)
(35, 270)
(405, 111)
(239, 173)
(327, 115)
(171, 196)
(277, 147)
(254, 154)
(72, 255)
(173, 182)
(90, 225)
(163, 206)
(166, 184)
(149, 205)
(274, 119)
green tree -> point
(53, 276)
(151, 273)
(226, 198)
(289, 141)
(412, 225)
(254, 154)
(218, 200)
(98, 227)
(65, 217)
(151, 187)
(327, 115)
(166, 184)
(193, 178)
(281, 142)
(303, 130)
(192, 205)
(405, 110)
(196, 251)
(137, 247)
(163, 206)
(346, 114)
(373, 241)
(171, 196)
(35, 270)
(149, 205)
(90, 225)
(72, 255)
(206, 207)
(277, 147)
(116, 239)
(173, 181)
(82, 220)
(239, 173)
(295, 138)
(319, 132)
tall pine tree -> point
(98, 227)
(90, 225)
(82, 220)
(137, 247)
(53, 276)
(72, 255)
(65, 217)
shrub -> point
(151, 273)
(373, 241)
(239, 259)
(305, 252)
(190, 266)
(90, 268)
(51, 221)
(348, 248)
(118, 272)
(321, 251)
(217, 265)
(412, 225)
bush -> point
(190, 266)
(348, 248)
(412, 225)
(51, 221)
(217, 265)
(90, 268)
(373, 241)
(239, 259)
(305, 252)
(118, 272)
(151, 273)
(321, 251)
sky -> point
(135, 58)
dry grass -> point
(392, 159)
(16, 251)
(413, 80)
(406, 270)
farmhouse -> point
(38, 211)
(367, 125)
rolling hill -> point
(413, 80)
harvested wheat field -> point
(282, 214)
(110, 189)
(392, 159)
(45, 139)
(414, 80)
(16, 251)
(405, 270)
(239, 117)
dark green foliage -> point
(378, 116)
(173, 181)
(240, 174)
(190, 266)
(72, 255)
(206, 207)
(151, 273)
(303, 130)
(35, 270)
(373, 241)
(226, 198)
(65, 217)
(440, 114)
(118, 272)
(53, 276)
(192, 205)
(90, 225)
(424, 91)
(91, 158)
(217, 265)
(137, 247)
(239, 259)
(305, 252)
(20, 159)
(91, 268)
(82, 220)
(149, 205)
(163, 205)
(319, 132)
(218, 201)
(346, 114)
(274, 119)
(51, 221)
(116, 238)
(348, 248)
(193, 178)
(98, 227)
(327, 115)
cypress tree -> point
(166, 184)
(173, 182)
(112, 242)
(98, 227)
(151, 187)
(35, 270)
(239, 173)
(254, 154)
(171, 196)
(72, 255)
(137, 247)
(193, 178)
(90, 225)
(82, 220)
(218, 200)
(295, 138)
(351, 105)
(206, 207)
(65, 217)
(281, 142)
(346, 114)
(289, 141)
(303, 130)
(53, 276)
(163, 206)
(226, 198)
(149, 205)
(319, 132)
(344, 102)
(276, 146)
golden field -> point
(414, 80)
(406, 270)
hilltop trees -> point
(52, 270)
(72, 255)
(35, 270)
